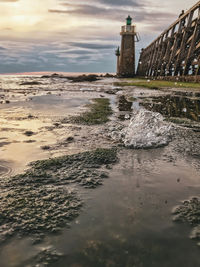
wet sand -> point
(125, 222)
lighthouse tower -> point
(126, 57)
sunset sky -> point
(66, 35)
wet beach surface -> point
(107, 209)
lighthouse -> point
(126, 55)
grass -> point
(178, 120)
(99, 113)
(156, 84)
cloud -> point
(66, 35)
(81, 10)
(101, 9)
(56, 56)
(92, 45)
(121, 2)
(116, 14)
(125, 3)
(8, 1)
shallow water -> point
(127, 221)
(38, 108)
(175, 106)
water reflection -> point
(174, 106)
(124, 107)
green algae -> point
(41, 200)
(99, 113)
(156, 84)
(189, 212)
(182, 121)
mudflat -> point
(77, 189)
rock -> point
(189, 212)
(45, 147)
(84, 78)
(30, 83)
(195, 233)
(56, 124)
(110, 92)
(45, 76)
(146, 130)
(29, 133)
(70, 139)
(80, 78)
(30, 116)
(108, 75)
(54, 75)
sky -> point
(76, 36)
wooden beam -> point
(174, 51)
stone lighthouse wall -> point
(127, 57)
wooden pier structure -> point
(175, 54)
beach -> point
(79, 189)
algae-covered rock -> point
(41, 201)
(83, 78)
(189, 212)
(33, 211)
(99, 113)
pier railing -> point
(176, 52)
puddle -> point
(174, 106)
(127, 221)
(41, 118)
(124, 107)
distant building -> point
(126, 55)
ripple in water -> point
(4, 170)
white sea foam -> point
(146, 130)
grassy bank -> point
(99, 113)
(156, 84)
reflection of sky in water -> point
(175, 106)
(36, 107)
(13, 131)
(58, 104)
(127, 221)
(18, 117)
(51, 104)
